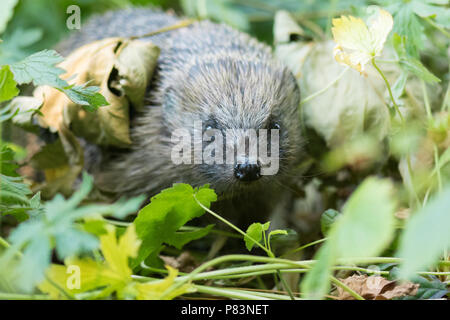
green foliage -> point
(53, 226)
(159, 221)
(367, 223)
(6, 12)
(428, 233)
(256, 232)
(14, 193)
(327, 219)
(410, 63)
(8, 87)
(317, 282)
(40, 69)
(413, 153)
(407, 20)
(365, 228)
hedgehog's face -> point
(242, 117)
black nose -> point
(247, 171)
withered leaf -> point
(122, 69)
(376, 288)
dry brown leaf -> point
(376, 288)
(185, 262)
(122, 69)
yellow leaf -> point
(117, 253)
(154, 290)
(114, 273)
(358, 43)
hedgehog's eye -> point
(210, 124)
(274, 125)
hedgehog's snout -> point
(247, 172)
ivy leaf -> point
(255, 231)
(426, 235)
(8, 87)
(158, 222)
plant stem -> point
(446, 100)
(328, 86)
(426, 101)
(4, 243)
(240, 294)
(269, 253)
(397, 109)
(346, 288)
(438, 168)
(215, 215)
(238, 257)
(435, 147)
(304, 247)
(19, 296)
(181, 24)
(438, 27)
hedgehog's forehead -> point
(235, 87)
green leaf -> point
(426, 235)
(13, 190)
(416, 67)
(399, 86)
(364, 229)
(255, 231)
(327, 219)
(317, 281)
(6, 12)
(179, 239)
(73, 241)
(410, 63)
(158, 222)
(407, 24)
(39, 68)
(428, 289)
(86, 96)
(7, 164)
(277, 232)
(8, 87)
(34, 262)
(366, 226)
(58, 224)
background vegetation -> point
(374, 198)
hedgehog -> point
(211, 74)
